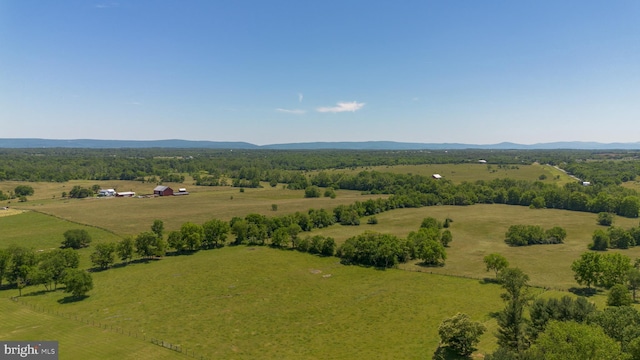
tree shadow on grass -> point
(429, 265)
(71, 299)
(488, 280)
(36, 293)
(444, 353)
(583, 291)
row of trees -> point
(615, 238)
(22, 266)
(520, 235)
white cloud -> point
(292, 111)
(342, 107)
(300, 96)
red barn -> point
(163, 191)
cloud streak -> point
(342, 107)
(300, 96)
(291, 111)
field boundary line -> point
(73, 221)
(117, 330)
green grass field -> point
(479, 230)
(257, 302)
(76, 340)
(246, 303)
(130, 216)
(459, 173)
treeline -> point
(417, 191)
(209, 165)
(606, 172)
(22, 266)
(615, 237)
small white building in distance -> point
(436, 176)
(181, 191)
(107, 192)
(481, 161)
(586, 183)
(126, 194)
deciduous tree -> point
(125, 249)
(511, 321)
(76, 239)
(77, 282)
(460, 333)
(496, 262)
(104, 255)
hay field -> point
(130, 216)
(459, 173)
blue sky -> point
(268, 72)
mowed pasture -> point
(479, 230)
(130, 216)
(76, 340)
(459, 173)
(258, 302)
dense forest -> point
(62, 164)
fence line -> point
(107, 327)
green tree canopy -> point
(104, 255)
(568, 340)
(496, 262)
(76, 239)
(460, 333)
(77, 282)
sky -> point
(270, 72)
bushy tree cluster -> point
(22, 266)
(520, 235)
(565, 328)
(384, 250)
(76, 239)
(374, 249)
(604, 270)
(615, 238)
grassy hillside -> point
(458, 173)
(76, 340)
(247, 303)
(130, 216)
(479, 230)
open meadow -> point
(76, 339)
(130, 216)
(257, 302)
(459, 173)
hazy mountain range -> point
(365, 145)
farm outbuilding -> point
(163, 191)
(126, 194)
(436, 176)
(107, 192)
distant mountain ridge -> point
(349, 145)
